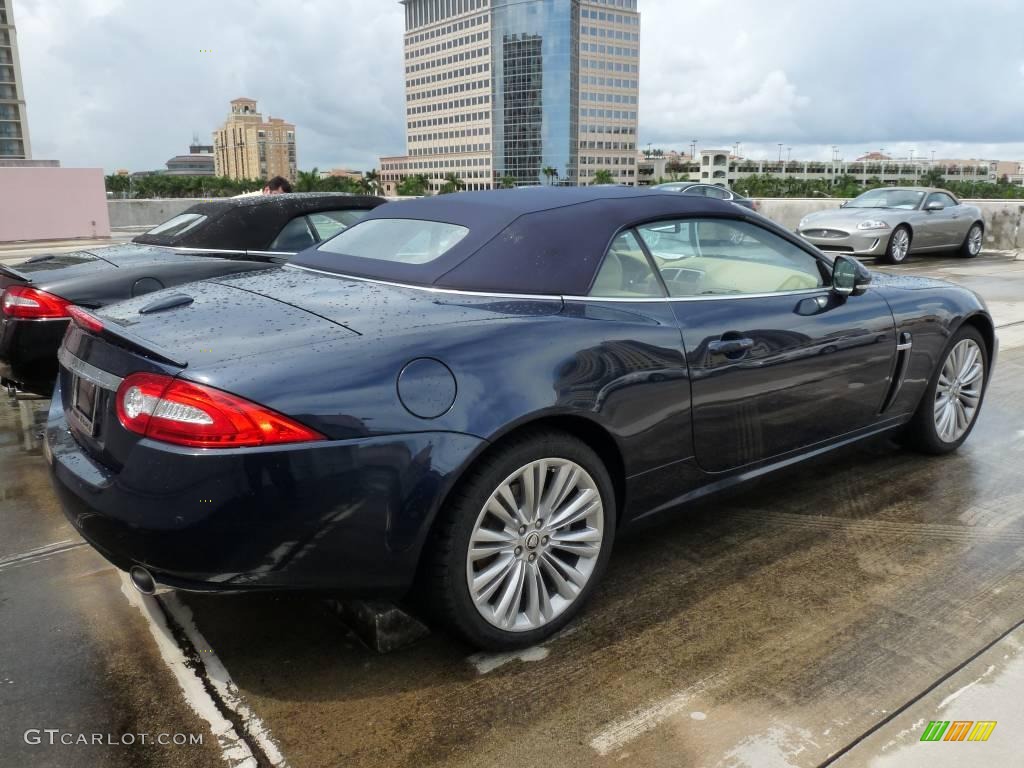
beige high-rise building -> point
(519, 91)
(14, 142)
(249, 147)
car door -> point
(957, 222)
(778, 361)
(943, 225)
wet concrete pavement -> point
(829, 608)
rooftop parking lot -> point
(826, 614)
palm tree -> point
(308, 181)
(550, 173)
(372, 180)
(452, 183)
(603, 176)
(508, 181)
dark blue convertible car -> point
(467, 396)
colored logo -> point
(958, 730)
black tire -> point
(894, 253)
(922, 432)
(450, 597)
(970, 248)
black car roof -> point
(252, 223)
(540, 240)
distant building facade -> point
(247, 147)
(14, 139)
(533, 91)
(198, 162)
(721, 166)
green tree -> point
(452, 183)
(550, 173)
(415, 185)
(933, 177)
(508, 181)
(603, 176)
(308, 181)
(372, 178)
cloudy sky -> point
(124, 83)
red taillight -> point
(180, 412)
(33, 304)
(84, 319)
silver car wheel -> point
(900, 244)
(958, 393)
(974, 238)
(535, 544)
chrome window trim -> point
(90, 373)
(428, 288)
(553, 297)
(271, 253)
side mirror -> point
(934, 205)
(849, 276)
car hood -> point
(256, 313)
(844, 216)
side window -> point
(329, 223)
(708, 257)
(625, 272)
(698, 190)
(719, 192)
(294, 237)
(948, 201)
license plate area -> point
(85, 398)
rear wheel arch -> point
(586, 430)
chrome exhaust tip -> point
(142, 580)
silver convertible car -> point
(892, 222)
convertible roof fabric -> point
(537, 240)
(252, 223)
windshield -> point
(406, 241)
(908, 199)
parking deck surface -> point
(819, 614)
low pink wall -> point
(52, 204)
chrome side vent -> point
(903, 347)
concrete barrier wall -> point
(146, 213)
(52, 203)
(1004, 219)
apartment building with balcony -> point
(520, 92)
(14, 138)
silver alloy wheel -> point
(535, 544)
(900, 244)
(958, 393)
(974, 238)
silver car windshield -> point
(908, 199)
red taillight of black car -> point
(32, 304)
(184, 413)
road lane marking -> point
(234, 747)
(40, 553)
(621, 732)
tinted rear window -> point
(179, 225)
(404, 241)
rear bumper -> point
(28, 352)
(347, 515)
(871, 242)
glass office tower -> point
(535, 72)
(518, 92)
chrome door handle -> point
(731, 346)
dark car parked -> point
(472, 393)
(699, 189)
(208, 240)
